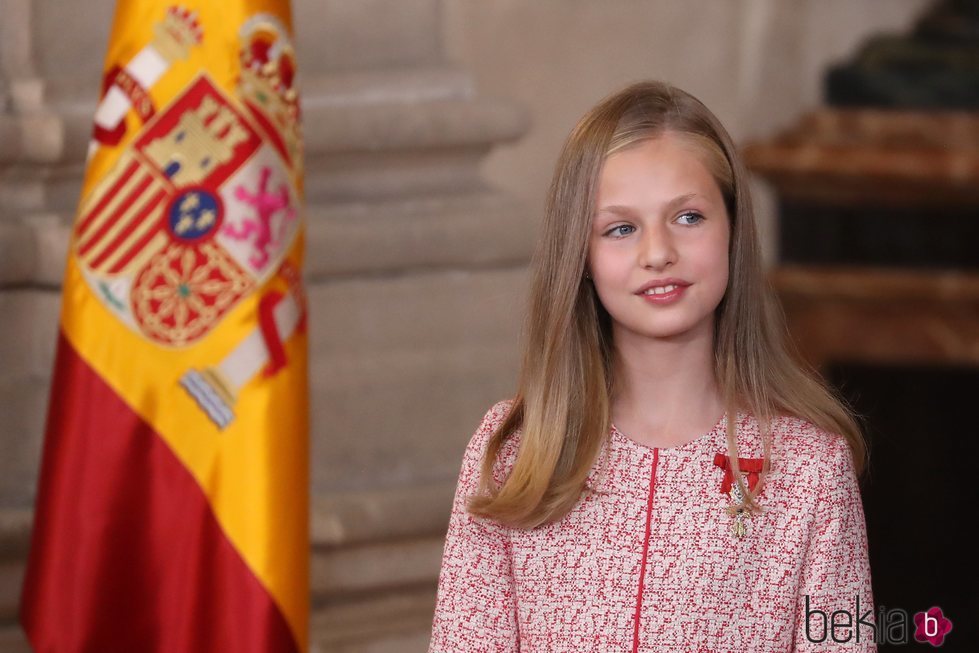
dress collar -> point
(621, 449)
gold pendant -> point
(739, 528)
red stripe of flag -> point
(127, 554)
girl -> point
(668, 477)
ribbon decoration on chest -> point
(751, 466)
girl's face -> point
(660, 216)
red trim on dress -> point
(645, 551)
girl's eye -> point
(615, 230)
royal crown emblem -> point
(267, 83)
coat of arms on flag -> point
(201, 207)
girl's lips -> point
(665, 298)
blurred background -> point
(431, 130)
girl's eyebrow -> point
(628, 211)
(622, 211)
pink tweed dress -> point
(647, 560)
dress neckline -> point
(692, 445)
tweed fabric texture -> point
(646, 561)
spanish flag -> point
(172, 510)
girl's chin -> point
(663, 326)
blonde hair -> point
(562, 404)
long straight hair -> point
(562, 404)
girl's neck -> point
(665, 390)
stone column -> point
(29, 242)
(415, 275)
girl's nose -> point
(656, 247)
